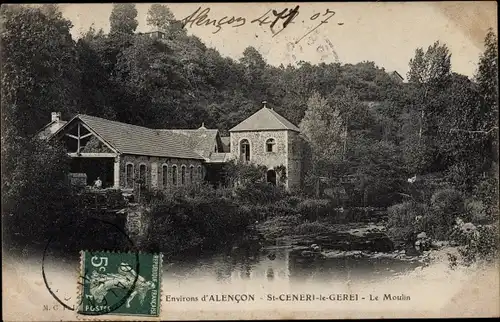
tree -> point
(96, 84)
(39, 75)
(39, 67)
(153, 77)
(487, 80)
(254, 67)
(429, 73)
(487, 129)
(35, 196)
(159, 16)
(123, 18)
(432, 67)
(325, 129)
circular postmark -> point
(64, 237)
(324, 49)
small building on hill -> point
(396, 76)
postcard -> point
(228, 161)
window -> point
(270, 143)
(164, 177)
(129, 175)
(191, 174)
(174, 175)
(245, 150)
(142, 175)
(200, 173)
(183, 175)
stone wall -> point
(137, 224)
(295, 160)
(154, 170)
(287, 152)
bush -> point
(404, 222)
(292, 201)
(313, 209)
(35, 193)
(184, 223)
(310, 228)
(479, 242)
(260, 193)
(487, 192)
(448, 200)
(446, 206)
(476, 212)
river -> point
(285, 263)
(435, 290)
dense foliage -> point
(361, 123)
(200, 221)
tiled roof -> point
(49, 129)
(219, 157)
(265, 119)
(201, 141)
(138, 140)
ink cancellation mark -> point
(120, 284)
(74, 226)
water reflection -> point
(280, 264)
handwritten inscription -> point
(200, 17)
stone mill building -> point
(127, 156)
(267, 138)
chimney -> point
(56, 116)
(264, 103)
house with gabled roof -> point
(267, 138)
(129, 156)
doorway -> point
(271, 177)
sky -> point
(385, 33)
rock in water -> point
(411, 251)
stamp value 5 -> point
(120, 283)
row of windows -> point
(166, 179)
(245, 148)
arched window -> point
(270, 145)
(191, 174)
(164, 177)
(142, 175)
(244, 150)
(129, 175)
(183, 175)
(174, 175)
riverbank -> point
(326, 240)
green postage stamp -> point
(113, 283)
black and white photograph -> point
(278, 160)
